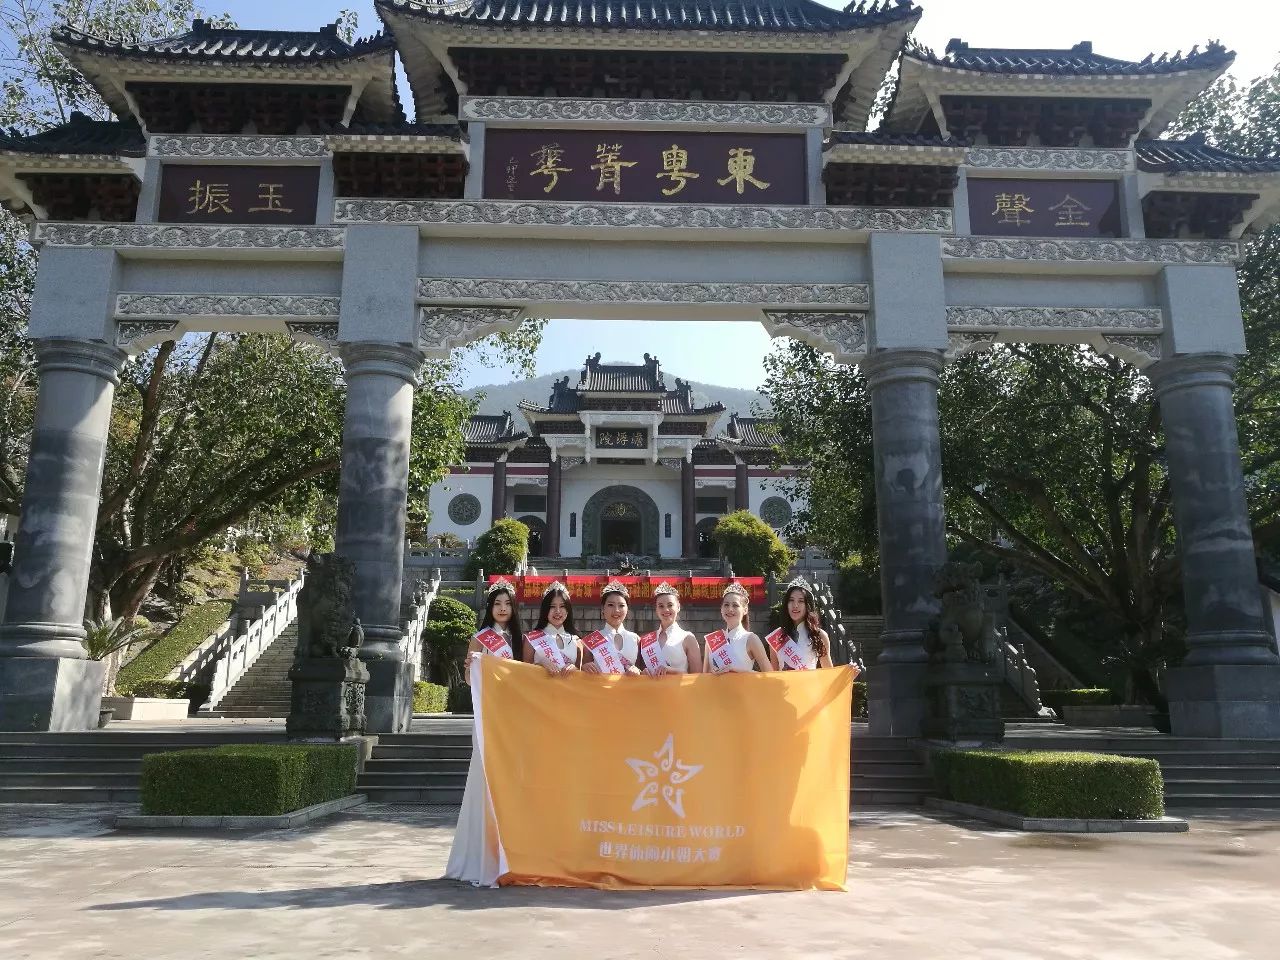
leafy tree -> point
(500, 549)
(751, 546)
(450, 625)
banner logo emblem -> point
(663, 778)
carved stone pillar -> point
(381, 379)
(1229, 683)
(45, 681)
(688, 511)
(551, 546)
(903, 385)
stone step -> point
(22, 765)
(1260, 788)
(60, 781)
(68, 795)
(1240, 801)
(1181, 773)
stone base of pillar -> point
(896, 699)
(964, 704)
(50, 694)
(1225, 701)
(388, 699)
(327, 698)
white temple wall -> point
(443, 491)
(581, 483)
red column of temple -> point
(551, 543)
(688, 511)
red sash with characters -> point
(606, 655)
(718, 652)
(495, 643)
(544, 645)
(787, 649)
(655, 660)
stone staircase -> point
(264, 689)
(97, 767)
(1197, 772)
(432, 768)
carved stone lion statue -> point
(327, 625)
(964, 630)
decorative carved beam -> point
(843, 335)
(441, 329)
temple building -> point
(615, 463)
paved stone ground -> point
(362, 886)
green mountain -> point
(495, 398)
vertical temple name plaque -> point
(202, 193)
(649, 166)
(1044, 208)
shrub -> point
(751, 546)
(858, 586)
(447, 609)
(500, 549)
(1090, 696)
(460, 699)
(449, 628)
(860, 710)
(170, 690)
(430, 697)
(264, 779)
(1080, 786)
(159, 659)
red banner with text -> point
(586, 589)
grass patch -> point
(246, 779)
(159, 659)
(1076, 786)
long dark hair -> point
(543, 610)
(811, 620)
(513, 625)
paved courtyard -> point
(364, 886)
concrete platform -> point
(364, 885)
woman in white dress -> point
(614, 600)
(680, 650)
(745, 650)
(555, 619)
(474, 857)
(801, 623)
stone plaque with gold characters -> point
(1044, 208)
(610, 438)
(644, 166)
(198, 193)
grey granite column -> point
(551, 547)
(1229, 683)
(45, 681)
(903, 385)
(381, 379)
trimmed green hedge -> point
(498, 550)
(159, 659)
(1088, 697)
(751, 546)
(430, 697)
(261, 779)
(1077, 786)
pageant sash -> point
(718, 651)
(787, 649)
(495, 643)
(648, 797)
(549, 649)
(655, 661)
(606, 655)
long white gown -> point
(475, 857)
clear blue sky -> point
(731, 354)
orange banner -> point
(686, 781)
(693, 590)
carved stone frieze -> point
(1086, 251)
(324, 333)
(631, 216)
(844, 335)
(1054, 318)
(1139, 351)
(223, 305)
(645, 111)
(1020, 158)
(135, 335)
(568, 463)
(961, 343)
(440, 329)
(238, 148)
(671, 463)
(192, 236)
(453, 289)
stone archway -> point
(628, 515)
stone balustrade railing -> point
(1019, 674)
(236, 654)
(411, 629)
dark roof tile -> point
(879, 138)
(81, 134)
(784, 16)
(487, 429)
(1194, 155)
(1079, 61)
(203, 42)
(754, 431)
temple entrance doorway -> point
(707, 549)
(620, 519)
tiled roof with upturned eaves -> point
(887, 139)
(488, 429)
(1078, 61)
(754, 431)
(1194, 155)
(204, 42)
(782, 16)
(621, 378)
(80, 135)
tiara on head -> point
(800, 582)
(501, 584)
(738, 590)
(665, 588)
(615, 586)
(557, 587)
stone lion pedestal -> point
(327, 700)
(964, 703)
